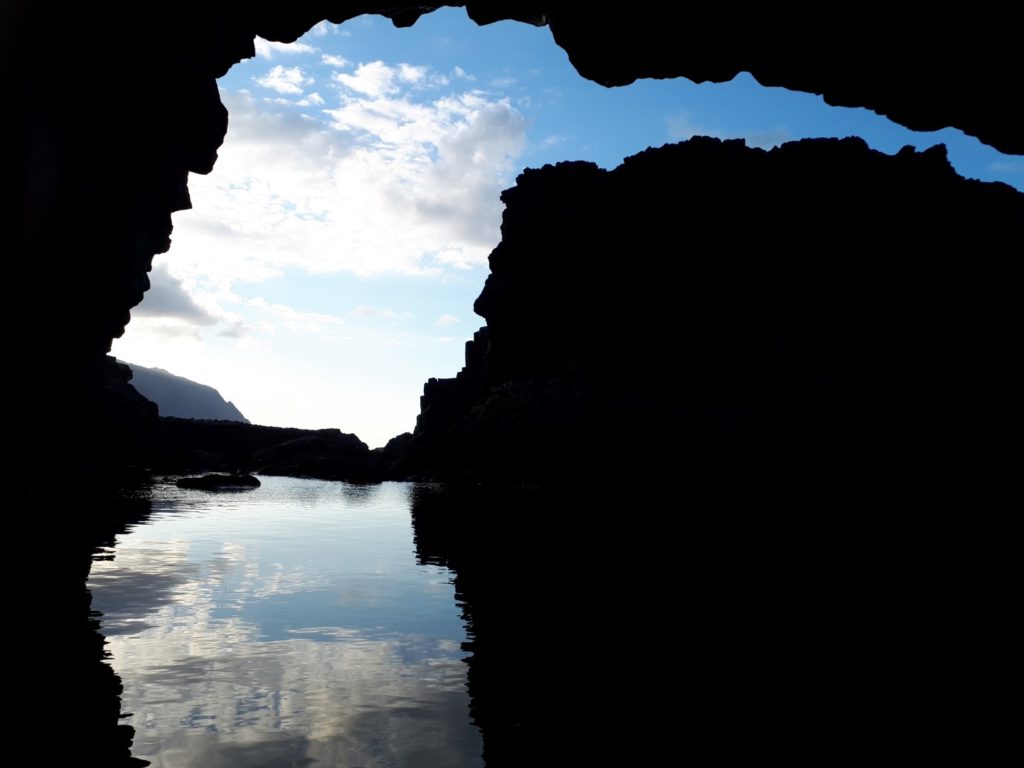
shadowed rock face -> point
(827, 305)
(56, 670)
(820, 309)
(181, 397)
(100, 162)
(190, 445)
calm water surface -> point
(285, 626)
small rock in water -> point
(219, 482)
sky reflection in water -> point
(287, 626)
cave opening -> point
(330, 261)
(853, 586)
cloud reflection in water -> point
(258, 632)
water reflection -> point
(291, 626)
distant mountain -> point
(181, 397)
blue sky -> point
(330, 263)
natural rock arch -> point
(102, 146)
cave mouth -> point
(99, 193)
(336, 248)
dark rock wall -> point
(633, 618)
(67, 696)
(922, 70)
(110, 111)
(195, 445)
(820, 305)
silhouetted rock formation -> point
(599, 641)
(633, 618)
(829, 319)
(900, 64)
(93, 197)
(219, 482)
(820, 310)
(181, 397)
(193, 445)
(57, 667)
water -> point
(286, 626)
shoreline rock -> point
(219, 482)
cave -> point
(101, 172)
(891, 376)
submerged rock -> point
(219, 482)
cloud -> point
(446, 320)
(391, 178)
(334, 61)
(322, 692)
(377, 79)
(164, 328)
(443, 161)
(285, 80)
(410, 74)
(167, 298)
(236, 330)
(296, 319)
(312, 100)
(268, 48)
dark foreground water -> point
(286, 626)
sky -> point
(330, 262)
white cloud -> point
(446, 320)
(388, 184)
(334, 61)
(237, 330)
(163, 327)
(457, 257)
(285, 79)
(268, 48)
(410, 74)
(295, 319)
(503, 82)
(442, 162)
(375, 79)
(166, 618)
(312, 100)
(395, 183)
